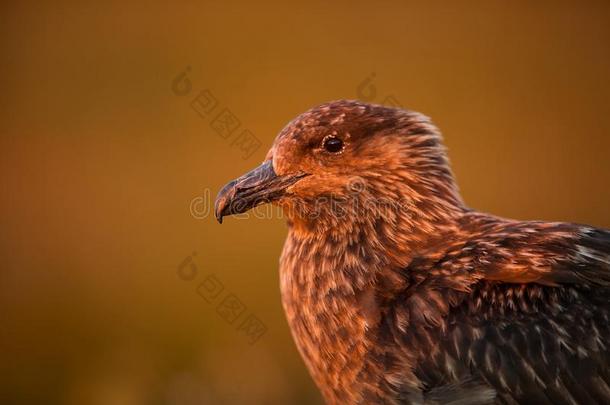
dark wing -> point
(548, 346)
(522, 312)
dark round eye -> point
(333, 144)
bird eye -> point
(333, 144)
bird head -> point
(349, 162)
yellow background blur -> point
(100, 161)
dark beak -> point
(256, 187)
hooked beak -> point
(256, 187)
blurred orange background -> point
(100, 161)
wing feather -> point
(522, 309)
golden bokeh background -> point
(100, 161)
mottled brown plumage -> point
(395, 292)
